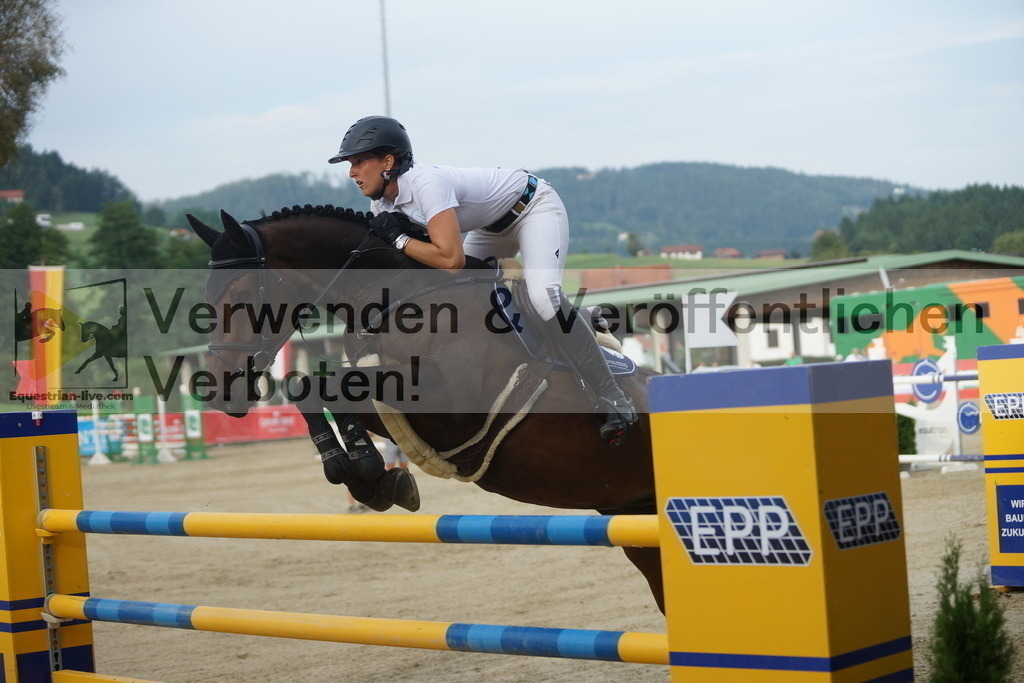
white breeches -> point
(541, 236)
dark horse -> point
(553, 456)
(109, 343)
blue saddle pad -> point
(512, 321)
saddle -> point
(511, 301)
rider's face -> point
(366, 170)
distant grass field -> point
(681, 268)
(583, 261)
(78, 240)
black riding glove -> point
(388, 225)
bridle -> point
(264, 349)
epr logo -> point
(862, 520)
(743, 530)
(1008, 406)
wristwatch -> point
(401, 241)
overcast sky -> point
(176, 98)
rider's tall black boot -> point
(577, 343)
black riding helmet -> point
(375, 133)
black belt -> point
(517, 210)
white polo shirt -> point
(480, 196)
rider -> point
(503, 212)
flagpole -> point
(384, 45)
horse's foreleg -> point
(331, 452)
(395, 486)
(361, 457)
(359, 466)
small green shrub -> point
(969, 642)
(906, 431)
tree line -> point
(983, 217)
(122, 240)
(51, 184)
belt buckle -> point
(531, 189)
(517, 210)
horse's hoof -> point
(370, 494)
(378, 502)
(402, 487)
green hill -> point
(248, 198)
(714, 205)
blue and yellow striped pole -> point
(781, 524)
(1001, 384)
(615, 646)
(24, 637)
(597, 530)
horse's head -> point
(87, 332)
(238, 283)
(260, 277)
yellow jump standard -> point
(1001, 383)
(26, 644)
(782, 522)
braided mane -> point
(327, 210)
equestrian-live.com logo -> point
(70, 341)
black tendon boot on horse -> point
(360, 456)
(396, 485)
(579, 346)
(359, 466)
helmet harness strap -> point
(403, 166)
(379, 194)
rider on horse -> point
(503, 212)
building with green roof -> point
(778, 313)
